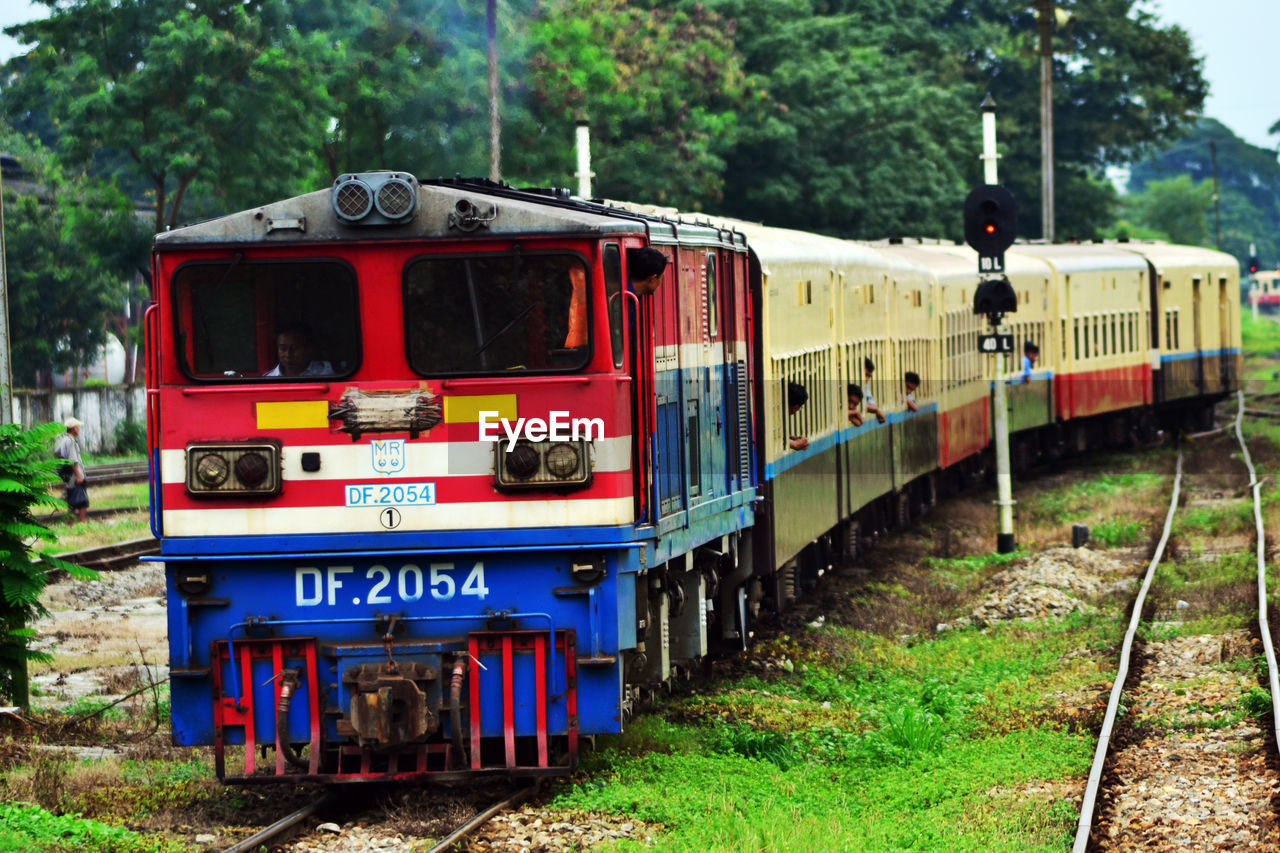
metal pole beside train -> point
(990, 224)
(6, 368)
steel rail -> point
(478, 821)
(110, 557)
(279, 826)
(1085, 826)
(1264, 628)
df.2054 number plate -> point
(379, 584)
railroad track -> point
(273, 834)
(121, 472)
(1126, 801)
(113, 557)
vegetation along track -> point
(1182, 770)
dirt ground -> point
(108, 637)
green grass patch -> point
(107, 531)
(1114, 533)
(958, 569)
(27, 828)
(1092, 499)
(868, 744)
(941, 800)
(1216, 520)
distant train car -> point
(1195, 326)
(1264, 290)
(441, 486)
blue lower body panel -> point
(387, 667)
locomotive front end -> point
(393, 477)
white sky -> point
(16, 12)
(1237, 38)
(1238, 41)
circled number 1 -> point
(390, 518)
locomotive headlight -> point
(523, 461)
(562, 460)
(375, 198)
(541, 465)
(252, 469)
(212, 469)
(233, 469)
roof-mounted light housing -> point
(375, 198)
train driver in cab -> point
(294, 350)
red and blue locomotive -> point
(434, 484)
(441, 488)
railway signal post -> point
(990, 225)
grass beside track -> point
(861, 742)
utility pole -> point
(6, 367)
(990, 226)
(1217, 214)
(495, 118)
(1045, 10)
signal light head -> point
(990, 219)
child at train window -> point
(868, 370)
(1030, 352)
(797, 396)
(855, 404)
(911, 381)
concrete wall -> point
(102, 408)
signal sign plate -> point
(995, 344)
(991, 263)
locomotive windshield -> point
(241, 320)
(496, 313)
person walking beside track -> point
(72, 472)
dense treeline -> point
(851, 117)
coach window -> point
(240, 321)
(498, 313)
(613, 292)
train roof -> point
(455, 208)
(1069, 258)
(784, 245)
(1169, 256)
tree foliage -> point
(1122, 86)
(1177, 208)
(212, 90)
(854, 117)
(72, 244)
(27, 470)
(1248, 186)
(660, 89)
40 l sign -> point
(995, 344)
